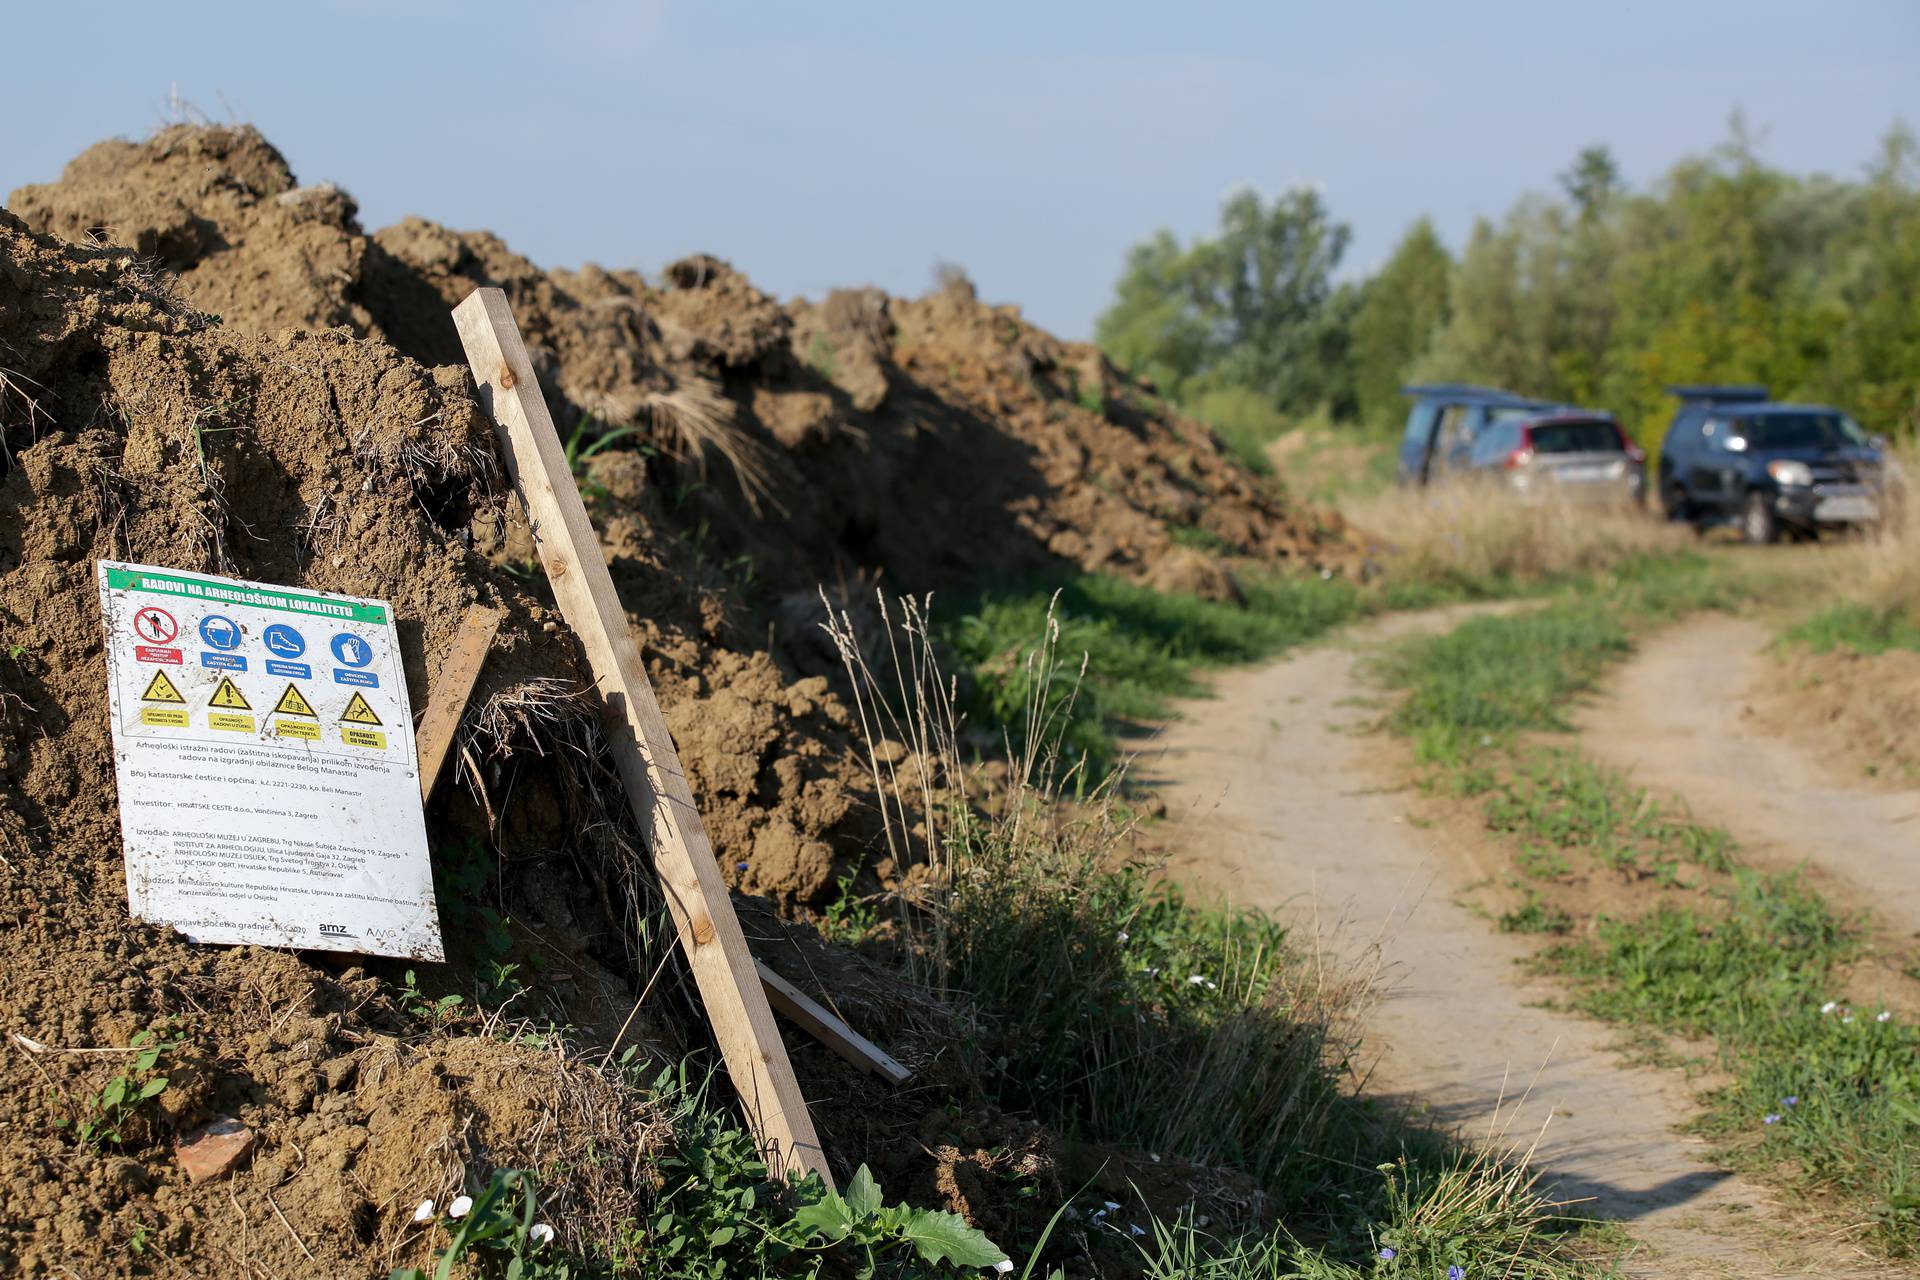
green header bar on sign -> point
(310, 606)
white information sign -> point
(269, 791)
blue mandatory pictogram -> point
(352, 650)
(283, 641)
(220, 632)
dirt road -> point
(1675, 717)
(1274, 801)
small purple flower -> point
(1772, 1118)
(1388, 1255)
(1456, 1273)
(1791, 1100)
(739, 866)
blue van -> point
(1445, 421)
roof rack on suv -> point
(1748, 394)
(1467, 393)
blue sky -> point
(822, 144)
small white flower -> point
(1846, 1017)
(1121, 936)
(1212, 985)
(459, 1207)
(1885, 1015)
(1197, 979)
(1154, 1156)
(1003, 1266)
(541, 1233)
(1829, 1006)
(425, 1212)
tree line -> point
(1725, 269)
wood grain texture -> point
(452, 688)
(820, 1022)
(656, 785)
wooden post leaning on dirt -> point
(820, 1022)
(451, 690)
(655, 783)
(447, 700)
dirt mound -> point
(941, 441)
(292, 409)
(1860, 711)
(135, 428)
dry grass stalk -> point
(699, 415)
(1470, 533)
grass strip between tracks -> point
(1654, 920)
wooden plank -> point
(656, 785)
(451, 691)
(819, 1022)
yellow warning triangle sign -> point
(160, 689)
(294, 703)
(358, 712)
(229, 697)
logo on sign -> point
(220, 632)
(155, 625)
(351, 650)
(284, 640)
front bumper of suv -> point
(1827, 504)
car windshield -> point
(1802, 431)
(1574, 437)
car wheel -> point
(1758, 522)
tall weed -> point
(1118, 1012)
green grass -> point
(1141, 648)
(1214, 1036)
(1120, 1015)
(1245, 421)
(1862, 628)
(1823, 1092)
(1821, 1096)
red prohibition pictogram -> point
(156, 626)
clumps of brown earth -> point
(134, 427)
(740, 454)
(941, 441)
(268, 257)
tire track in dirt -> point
(1675, 717)
(1274, 802)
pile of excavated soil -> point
(748, 453)
(135, 427)
(942, 442)
(1861, 712)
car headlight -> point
(1791, 474)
